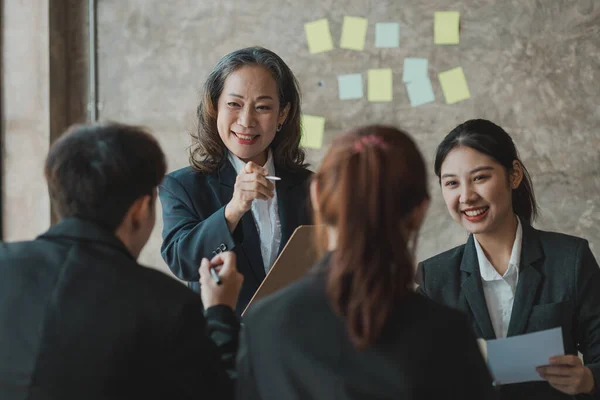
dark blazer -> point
(81, 319)
(559, 285)
(194, 227)
(294, 346)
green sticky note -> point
(454, 85)
(313, 128)
(354, 32)
(318, 36)
(380, 84)
(446, 27)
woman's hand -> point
(568, 375)
(250, 184)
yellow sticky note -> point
(354, 32)
(454, 85)
(318, 36)
(446, 27)
(380, 84)
(313, 128)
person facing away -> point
(509, 277)
(79, 317)
(353, 327)
(248, 128)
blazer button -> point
(223, 247)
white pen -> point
(273, 178)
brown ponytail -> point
(368, 184)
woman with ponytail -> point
(353, 328)
(510, 278)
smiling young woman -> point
(248, 128)
(509, 277)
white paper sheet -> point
(514, 359)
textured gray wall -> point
(532, 66)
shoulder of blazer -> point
(444, 262)
(188, 176)
(555, 241)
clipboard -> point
(297, 257)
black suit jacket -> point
(80, 319)
(559, 285)
(194, 227)
(294, 346)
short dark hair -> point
(208, 151)
(96, 172)
(490, 139)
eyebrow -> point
(473, 171)
(263, 97)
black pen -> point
(215, 276)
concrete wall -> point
(26, 118)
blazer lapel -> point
(529, 281)
(472, 289)
(251, 242)
(289, 204)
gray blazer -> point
(559, 285)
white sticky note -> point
(414, 69)
(387, 34)
(420, 92)
(350, 86)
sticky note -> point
(454, 85)
(354, 32)
(313, 128)
(414, 68)
(446, 27)
(350, 86)
(387, 34)
(380, 85)
(318, 36)
(420, 92)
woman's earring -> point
(279, 127)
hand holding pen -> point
(220, 281)
(252, 183)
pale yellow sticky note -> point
(313, 128)
(380, 85)
(318, 36)
(354, 32)
(446, 27)
(454, 85)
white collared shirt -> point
(266, 216)
(499, 290)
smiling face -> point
(477, 190)
(248, 113)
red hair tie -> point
(374, 140)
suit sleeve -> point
(194, 367)
(188, 234)
(246, 382)
(588, 304)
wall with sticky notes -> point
(424, 66)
